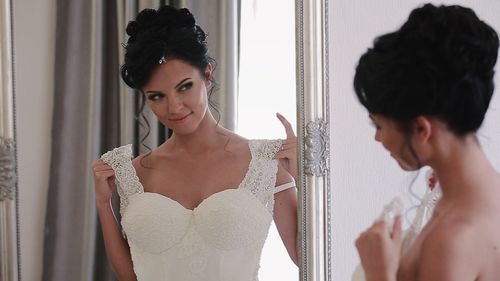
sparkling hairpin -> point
(162, 60)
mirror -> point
(364, 176)
(67, 54)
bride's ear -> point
(208, 74)
(422, 129)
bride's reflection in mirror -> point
(202, 202)
(213, 193)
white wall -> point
(34, 36)
(363, 175)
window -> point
(266, 86)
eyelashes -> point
(185, 86)
(375, 125)
(154, 96)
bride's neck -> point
(209, 135)
(462, 168)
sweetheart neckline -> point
(180, 205)
(204, 199)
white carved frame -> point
(313, 132)
(9, 222)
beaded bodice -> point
(221, 239)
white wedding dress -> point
(423, 214)
(220, 240)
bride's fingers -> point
(288, 146)
(292, 141)
(104, 175)
(291, 152)
(287, 125)
(280, 155)
(285, 154)
(102, 168)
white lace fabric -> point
(221, 239)
(126, 179)
(423, 214)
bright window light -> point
(267, 86)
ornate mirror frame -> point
(313, 133)
(9, 222)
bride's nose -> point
(174, 104)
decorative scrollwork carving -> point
(317, 149)
(8, 176)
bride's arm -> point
(285, 202)
(285, 215)
(117, 249)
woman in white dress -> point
(427, 87)
(199, 206)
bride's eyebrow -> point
(154, 92)
(180, 83)
(176, 86)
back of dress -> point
(221, 239)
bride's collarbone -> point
(193, 176)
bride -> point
(427, 87)
(199, 206)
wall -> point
(363, 175)
(34, 36)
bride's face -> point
(394, 141)
(177, 95)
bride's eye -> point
(375, 125)
(155, 97)
(186, 86)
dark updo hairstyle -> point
(439, 63)
(164, 33)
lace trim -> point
(261, 177)
(126, 179)
(264, 149)
(424, 213)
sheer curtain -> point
(85, 124)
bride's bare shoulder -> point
(451, 251)
(235, 142)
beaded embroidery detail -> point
(126, 179)
(261, 177)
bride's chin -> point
(406, 167)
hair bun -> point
(177, 18)
(471, 50)
(166, 32)
(160, 23)
(132, 28)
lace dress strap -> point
(261, 177)
(120, 159)
(422, 216)
(284, 186)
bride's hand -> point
(379, 250)
(288, 152)
(104, 181)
